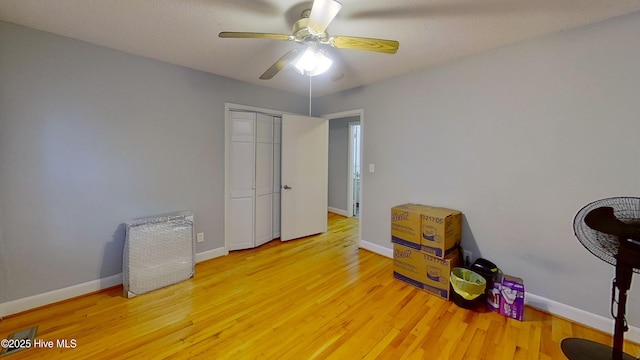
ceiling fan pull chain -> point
(309, 96)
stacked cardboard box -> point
(424, 271)
(425, 239)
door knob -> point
(287, 187)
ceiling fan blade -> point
(322, 13)
(280, 64)
(367, 44)
(253, 35)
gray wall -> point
(91, 138)
(518, 139)
(339, 162)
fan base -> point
(583, 349)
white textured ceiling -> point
(185, 32)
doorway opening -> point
(344, 195)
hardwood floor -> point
(318, 297)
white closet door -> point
(277, 135)
(241, 181)
(264, 180)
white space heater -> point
(158, 251)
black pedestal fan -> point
(609, 229)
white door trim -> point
(350, 170)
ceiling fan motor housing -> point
(302, 33)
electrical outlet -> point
(468, 257)
(200, 237)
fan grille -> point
(605, 246)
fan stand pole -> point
(620, 326)
(622, 282)
(581, 349)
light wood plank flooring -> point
(318, 297)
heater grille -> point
(18, 341)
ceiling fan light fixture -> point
(310, 32)
(313, 62)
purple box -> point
(493, 297)
(507, 297)
(512, 297)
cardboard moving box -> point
(434, 230)
(424, 271)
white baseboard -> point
(35, 301)
(211, 254)
(338, 211)
(377, 248)
(32, 302)
(594, 321)
(598, 322)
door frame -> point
(330, 116)
(360, 114)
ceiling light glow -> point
(313, 62)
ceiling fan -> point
(310, 31)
